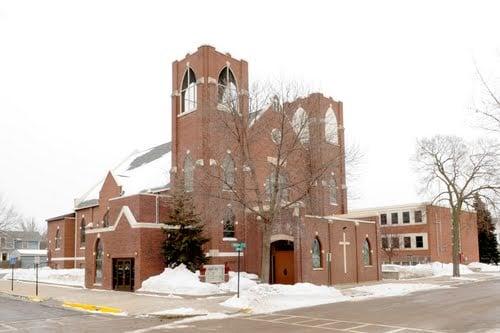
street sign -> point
(239, 246)
(214, 273)
(12, 260)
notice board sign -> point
(214, 273)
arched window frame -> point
(316, 254)
(331, 127)
(82, 232)
(105, 219)
(367, 253)
(228, 223)
(300, 123)
(99, 256)
(229, 173)
(188, 91)
(227, 91)
(188, 173)
(58, 239)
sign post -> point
(12, 261)
(239, 247)
(37, 263)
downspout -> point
(356, 249)
(75, 240)
(329, 255)
(157, 210)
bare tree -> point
(29, 225)
(9, 217)
(267, 187)
(490, 108)
(390, 243)
(455, 171)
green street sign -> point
(239, 246)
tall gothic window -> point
(105, 219)
(227, 91)
(188, 173)
(228, 223)
(300, 123)
(331, 127)
(58, 239)
(282, 189)
(188, 92)
(82, 232)
(332, 190)
(367, 253)
(229, 173)
(98, 261)
(316, 253)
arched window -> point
(58, 239)
(331, 127)
(82, 232)
(188, 173)
(188, 92)
(282, 190)
(229, 173)
(300, 123)
(367, 253)
(98, 262)
(316, 253)
(332, 190)
(228, 223)
(227, 90)
(105, 219)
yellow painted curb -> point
(90, 307)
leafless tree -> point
(272, 115)
(490, 106)
(29, 225)
(390, 243)
(9, 217)
(454, 171)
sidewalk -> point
(128, 302)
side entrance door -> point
(123, 274)
(283, 267)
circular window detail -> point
(276, 135)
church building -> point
(231, 157)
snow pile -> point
(183, 311)
(264, 298)
(250, 276)
(178, 280)
(67, 277)
(425, 270)
(232, 284)
(484, 268)
(393, 289)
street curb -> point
(91, 307)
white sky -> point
(83, 83)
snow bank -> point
(393, 289)
(264, 298)
(250, 276)
(183, 311)
(425, 270)
(484, 267)
(232, 284)
(178, 280)
(67, 277)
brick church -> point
(115, 230)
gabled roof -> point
(141, 172)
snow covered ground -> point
(484, 268)
(67, 277)
(425, 270)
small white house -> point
(27, 257)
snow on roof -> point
(28, 252)
(142, 171)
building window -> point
(281, 191)
(331, 127)
(418, 216)
(394, 218)
(228, 223)
(300, 123)
(406, 217)
(332, 189)
(229, 173)
(98, 262)
(2, 242)
(407, 242)
(276, 136)
(395, 242)
(188, 92)
(316, 253)
(227, 91)
(82, 232)
(367, 253)
(4, 256)
(58, 239)
(105, 219)
(385, 243)
(188, 173)
(383, 219)
(419, 242)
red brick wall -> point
(66, 227)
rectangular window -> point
(394, 218)
(407, 241)
(383, 219)
(385, 243)
(2, 242)
(419, 240)
(406, 217)
(395, 242)
(4, 256)
(418, 216)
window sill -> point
(185, 113)
(334, 204)
(82, 248)
(229, 239)
(368, 266)
(97, 284)
(318, 269)
(57, 249)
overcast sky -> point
(84, 83)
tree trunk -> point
(455, 218)
(265, 261)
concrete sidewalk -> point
(131, 303)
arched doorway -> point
(282, 262)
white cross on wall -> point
(344, 244)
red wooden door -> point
(283, 267)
